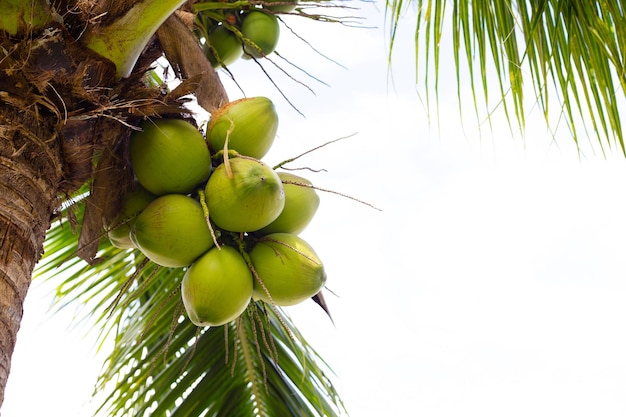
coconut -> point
(222, 47)
(169, 156)
(132, 204)
(289, 268)
(217, 287)
(301, 203)
(172, 231)
(244, 195)
(249, 123)
(261, 32)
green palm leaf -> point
(570, 51)
(162, 364)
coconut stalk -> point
(188, 61)
(123, 40)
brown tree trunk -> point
(36, 82)
(29, 176)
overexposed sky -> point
(491, 283)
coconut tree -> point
(77, 79)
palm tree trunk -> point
(38, 89)
(29, 176)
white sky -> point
(491, 284)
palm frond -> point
(162, 364)
(570, 51)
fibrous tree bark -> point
(30, 172)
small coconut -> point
(289, 268)
(222, 47)
(244, 195)
(172, 231)
(301, 203)
(261, 32)
(132, 204)
(249, 123)
(169, 156)
(217, 287)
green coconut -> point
(301, 203)
(132, 204)
(172, 231)
(244, 195)
(169, 156)
(217, 287)
(261, 32)
(289, 268)
(249, 123)
(222, 47)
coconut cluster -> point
(250, 33)
(209, 204)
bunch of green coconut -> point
(250, 33)
(211, 206)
